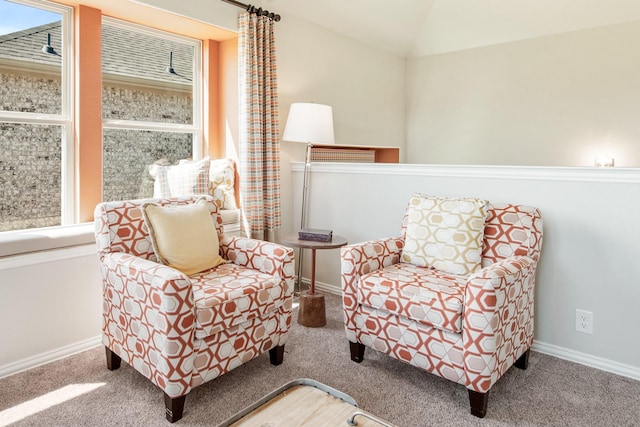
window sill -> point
(44, 239)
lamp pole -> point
(305, 186)
(303, 214)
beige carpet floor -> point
(80, 391)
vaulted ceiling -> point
(408, 28)
(423, 27)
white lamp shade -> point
(309, 123)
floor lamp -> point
(309, 123)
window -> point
(36, 133)
(151, 105)
(151, 99)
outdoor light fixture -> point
(47, 48)
(170, 69)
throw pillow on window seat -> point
(184, 179)
(206, 176)
(222, 180)
(183, 237)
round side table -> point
(311, 312)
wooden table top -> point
(292, 240)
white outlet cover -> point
(584, 321)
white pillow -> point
(184, 179)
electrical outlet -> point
(584, 321)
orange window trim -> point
(88, 111)
(212, 115)
(88, 108)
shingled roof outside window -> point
(136, 87)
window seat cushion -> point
(43, 239)
(230, 216)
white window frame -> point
(65, 118)
(196, 127)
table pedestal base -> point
(311, 312)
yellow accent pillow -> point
(445, 234)
(183, 237)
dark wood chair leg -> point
(523, 361)
(173, 406)
(357, 351)
(113, 360)
(478, 403)
(276, 355)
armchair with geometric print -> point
(453, 295)
(183, 303)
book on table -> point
(315, 234)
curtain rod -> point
(252, 9)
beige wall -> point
(554, 101)
(365, 87)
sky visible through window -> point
(15, 17)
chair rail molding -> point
(547, 173)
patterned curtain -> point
(259, 127)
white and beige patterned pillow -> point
(445, 233)
(184, 179)
(222, 177)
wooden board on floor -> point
(303, 403)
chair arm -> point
(269, 258)
(149, 319)
(498, 319)
(362, 258)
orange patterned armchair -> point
(465, 326)
(182, 330)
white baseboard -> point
(587, 360)
(550, 349)
(49, 356)
(325, 287)
(540, 347)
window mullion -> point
(198, 147)
(33, 118)
(150, 126)
(67, 180)
(68, 177)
